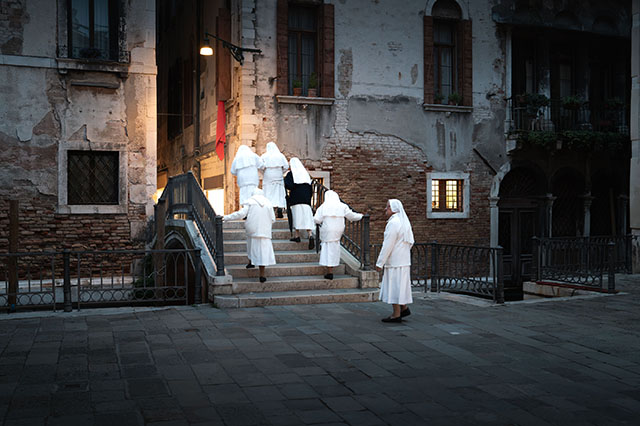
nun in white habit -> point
(274, 164)
(331, 215)
(298, 182)
(395, 258)
(260, 217)
(245, 167)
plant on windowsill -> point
(297, 87)
(572, 103)
(532, 102)
(312, 91)
(455, 98)
(438, 98)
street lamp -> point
(236, 51)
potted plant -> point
(532, 102)
(438, 98)
(297, 87)
(313, 85)
(455, 99)
(572, 102)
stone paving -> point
(562, 362)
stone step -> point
(303, 297)
(282, 270)
(239, 224)
(240, 234)
(295, 256)
(293, 283)
(278, 245)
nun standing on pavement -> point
(260, 217)
(245, 167)
(274, 164)
(298, 182)
(395, 258)
(331, 215)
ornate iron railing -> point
(355, 238)
(473, 270)
(186, 200)
(560, 116)
(583, 261)
(92, 278)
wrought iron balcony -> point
(558, 116)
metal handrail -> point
(355, 238)
(184, 196)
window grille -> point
(302, 45)
(446, 195)
(92, 177)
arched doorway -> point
(520, 219)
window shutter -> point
(223, 56)
(428, 59)
(465, 59)
(327, 52)
(282, 46)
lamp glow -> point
(206, 50)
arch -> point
(464, 10)
(566, 19)
(522, 181)
(604, 25)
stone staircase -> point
(296, 279)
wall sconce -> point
(236, 51)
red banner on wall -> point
(221, 136)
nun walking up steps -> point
(274, 164)
(395, 258)
(298, 182)
(331, 215)
(260, 218)
(245, 167)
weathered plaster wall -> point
(47, 107)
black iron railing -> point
(99, 278)
(355, 238)
(186, 200)
(583, 261)
(559, 116)
(473, 270)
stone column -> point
(548, 215)
(494, 214)
(587, 199)
(634, 169)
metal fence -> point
(54, 280)
(355, 238)
(583, 261)
(473, 270)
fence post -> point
(365, 249)
(611, 279)
(537, 250)
(66, 284)
(219, 247)
(434, 267)
(499, 276)
(197, 299)
(12, 262)
(628, 240)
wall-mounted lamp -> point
(236, 51)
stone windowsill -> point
(447, 108)
(65, 64)
(304, 100)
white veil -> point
(245, 157)
(406, 232)
(274, 158)
(300, 174)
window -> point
(448, 195)
(92, 177)
(93, 29)
(447, 55)
(305, 44)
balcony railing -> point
(558, 116)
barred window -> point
(446, 195)
(92, 177)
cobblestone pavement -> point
(569, 362)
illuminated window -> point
(446, 195)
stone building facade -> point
(77, 122)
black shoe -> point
(279, 213)
(312, 243)
(262, 279)
(250, 265)
(295, 240)
(391, 319)
(329, 276)
(405, 312)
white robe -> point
(245, 167)
(332, 219)
(302, 217)
(274, 164)
(395, 257)
(260, 217)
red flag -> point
(221, 137)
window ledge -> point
(93, 209)
(65, 64)
(448, 215)
(304, 100)
(447, 108)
